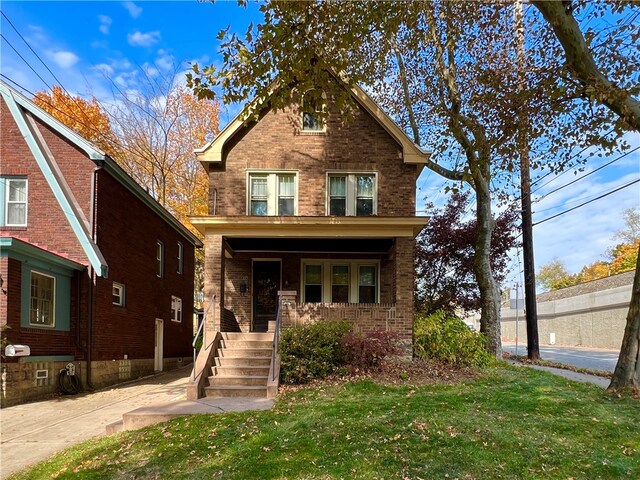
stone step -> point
(114, 427)
(239, 370)
(244, 380)
(244, 352)
(243, 361)
(236, 391)
(251, 344)
(267, 337)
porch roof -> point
(241, 226)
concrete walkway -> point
(568, 374)
(32, 432)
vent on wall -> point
(42, 374)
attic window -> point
(312, 107)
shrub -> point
(312, 351)
(366, 351)
(445, 337)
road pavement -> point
(581, 357)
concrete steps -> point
(241, 366)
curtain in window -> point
(364, 195)
(338, 196)
(286, 187)
(367, 284)
(313, 283)
(17, 202)
(259, 195)
(340, 284)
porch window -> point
(367, 280)
(42, 303)
(272, 194)
(352, 194)
(313, 283)
(340, 281)
(340, 284)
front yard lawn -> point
(505, 423)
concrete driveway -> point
(32, 432)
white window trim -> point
(159, 259)
(272, 190)
(322, 109)
(351, 185)
(354, 272)
(176, 315)
(7, 184)
(180, 258)
(53, 301)
(122, 294)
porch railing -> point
(211, 309)
(276, 342)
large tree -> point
(445, 251)
(613, 82)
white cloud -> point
(133, 9)
(139, 39)
(103, 68)
(63, 59)
(105, 23)
(165, 60)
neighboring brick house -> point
(322, 209)
(94, 271)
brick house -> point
(94, 271)
(321, 210)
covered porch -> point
(332, 268)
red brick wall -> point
(275, 142)
(47, 226)
(127, 234)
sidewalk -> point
(32, 432)
(602, 382)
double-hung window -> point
(42, 300)
(15, 202)
(176, 309)
(118, 291)
(159, 259)
(313, 106)
(272, 194)
(180, 258)
(352, 194)
(340, 281)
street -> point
(582, 357)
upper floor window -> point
(42, 300)
(313, 106)
(352, 194)
(180, 258)
(272, 194)
(118, 290)
(15, 202)
(159, 259)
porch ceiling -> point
(309, 227)
(315, 245)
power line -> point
(23, 59)
(589, 173)
(589, 201)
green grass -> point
(508, 423)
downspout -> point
(92, 274)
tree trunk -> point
(627, 372)
(489, 290)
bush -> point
(312, 351)
(445, 337)
(365, 352)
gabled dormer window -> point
(14, 200)
(272, 193)
(351, 194)
(313, 105)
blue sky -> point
(89, 44)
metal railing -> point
(276, 340)
(202, 331)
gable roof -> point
(412, 153)
(23, 110)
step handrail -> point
(202, 331)
(276, 341)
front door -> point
(266, 283)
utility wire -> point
(23, 59)
(589, 201)
(589, 173)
